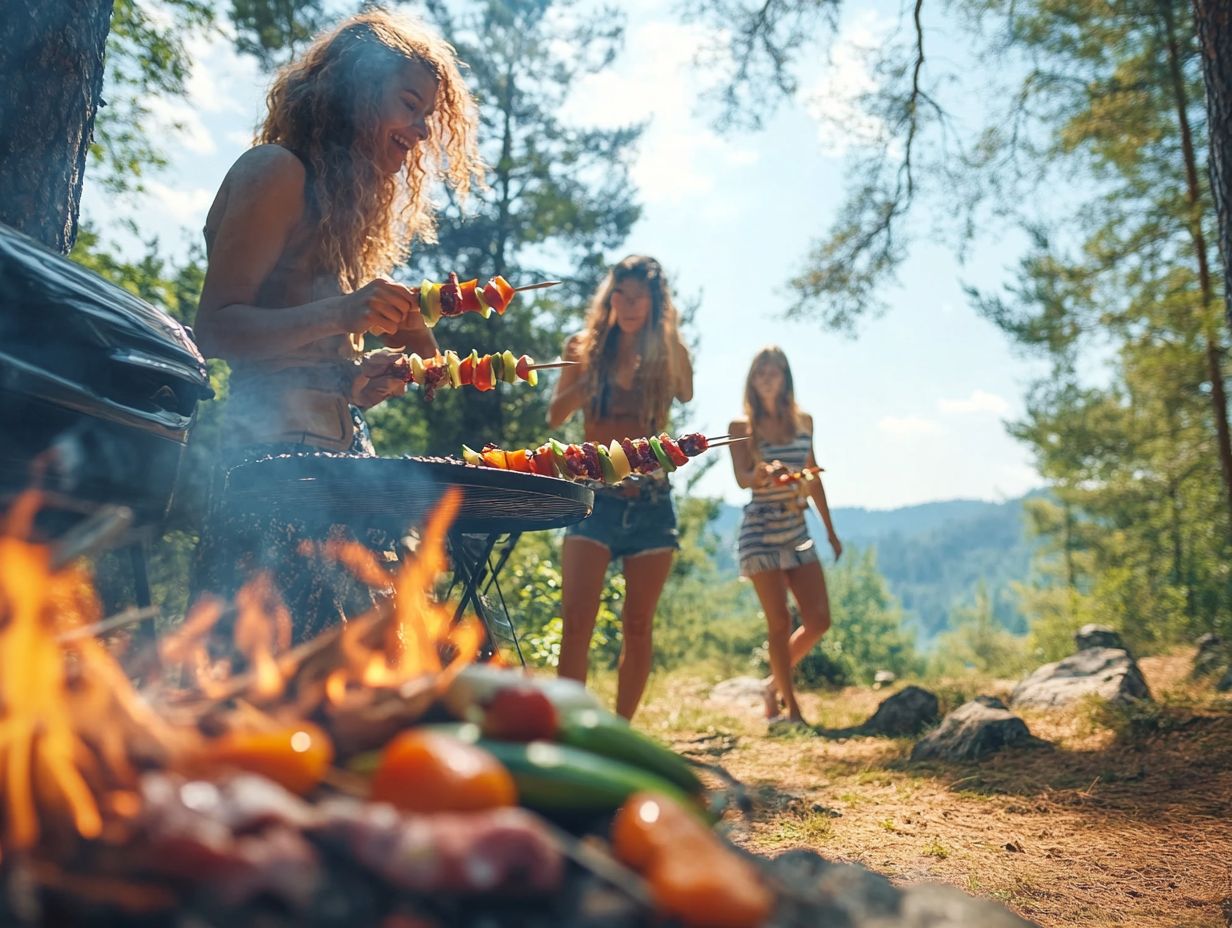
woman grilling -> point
(776, 552)
(299, 238)
(632, 365)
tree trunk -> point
(51, 81)
(1214, 348)
(1214, 22)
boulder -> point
(1098, 636)
(1212, 657)
(973, 731)
(907, 712)
(1106, 672)
(820, 892)
(743, 694)
(884, 678)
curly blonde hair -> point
(656, 374)
(324, 107)
(784, 404)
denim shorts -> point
(636, 520)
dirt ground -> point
(1127, 820)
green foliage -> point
(559, 198)
(867, 633)
(273, 31)
(146, 57)
(977, 642)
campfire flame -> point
(73, 729)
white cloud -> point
(656, 80)
(908, 426)
(980, 401)
(192, 133)
(187, 206)
(836, 99)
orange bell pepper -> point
(519, 460)
(423, 771)
(483, 373)
(692, 874)
(296, 757)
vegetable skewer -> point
(482, 372)
(609, 463)
(454, 297)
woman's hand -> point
(836, 545)
(381, 306)
(382, 374)
(766, 472)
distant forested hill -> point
(934, 556)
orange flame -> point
(70, 719)
(45, 755)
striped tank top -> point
(773, 534)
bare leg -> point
(583, 568)
(808, 586)
(645, 575)
(771, 587)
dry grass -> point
(1128, 821)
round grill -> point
(396, 493)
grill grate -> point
(396, 493)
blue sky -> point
(912, 410)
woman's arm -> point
(570, 393)
(749, 472)
(818, 494)
(682, 364)
(264, 203)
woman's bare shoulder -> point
(267, 165)
(738, 427)
(806, 421)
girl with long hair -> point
(632, 365)
(776, 552)
(299, 239)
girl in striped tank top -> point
(776, 552)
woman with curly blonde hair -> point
(632, 365)
(299, 239)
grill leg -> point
(471, 573)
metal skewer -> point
(538, 286)
(550, 364)
(726, 441)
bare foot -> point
(771, 696)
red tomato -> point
(520, 713)
(424, 771)
(674, 454)
(523, 367)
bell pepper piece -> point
(483, 373)
(519, 460)
(506, 291)
(677, 456)
(495, 457)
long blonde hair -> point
(784, 403)
(656, 374)
(324, 108)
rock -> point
(744, 694)
(973, 731)
(1213, 656)
(883, 678)
(818, 892)
(907, 712)
(1107, 672)
(1225, 685)
(1098, 636)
